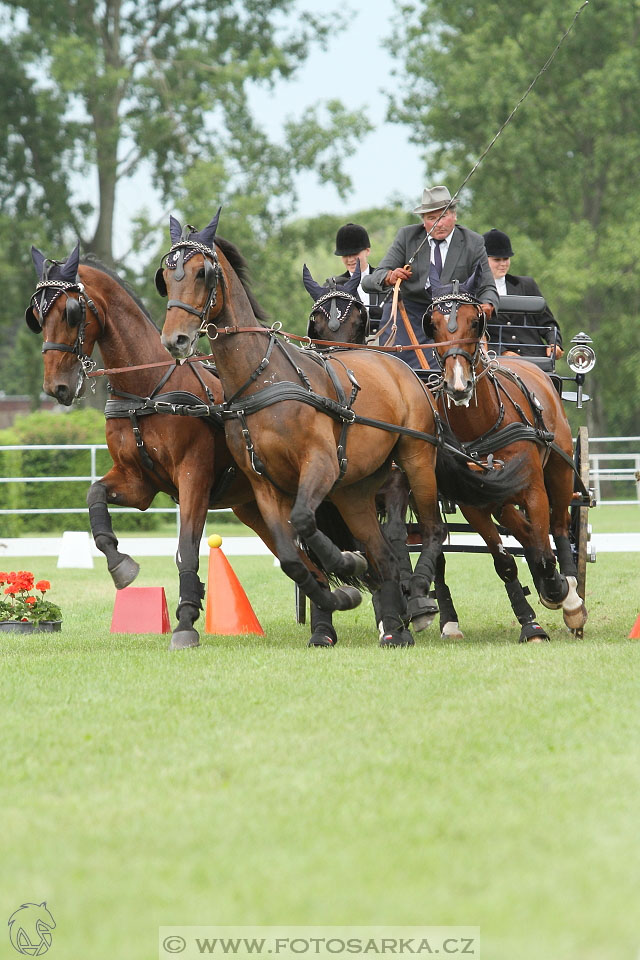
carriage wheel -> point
(579, 530)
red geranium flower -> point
(43, 586)
(3, 578)
(11, 589)
(30, 600)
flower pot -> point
(26, 626)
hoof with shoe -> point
(399, 638)
(574, 611)
(451, 631)
(182, 639)
(358, 561)
(532, 633)
(320, 639)
(125, 572)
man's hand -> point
(400, 273)
(487, 309)
(554, 348)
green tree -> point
(560, 178)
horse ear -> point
(313, 289)
(161, 285)
(351, 285)
(175, 230)
(30, 320)
(471, 282)
(38, 261)
(207, 236)
(69, 268)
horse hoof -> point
(422, 621)
(399, 638)
(421, 612)
(451, 631)
(532, 633)
(347, 598)
(550, 604)
(319, 639)
(357, 561)
(576, 618)
(125, 572)
(182, 639)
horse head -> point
(191, 270)
(337, 312)
(456, 320)
(58, 310)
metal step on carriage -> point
(580, 359)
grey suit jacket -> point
(465, 250)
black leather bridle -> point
(448, 304)
(333, 314)
(75, 314)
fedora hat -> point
(351, 239)
(434, 198)
(497, 244)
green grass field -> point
(254, 781)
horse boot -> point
(323, 633)
(390, 602)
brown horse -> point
(301, 429)
(78, 305)
(510, 409)
(338, 315)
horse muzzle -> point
(180, 345)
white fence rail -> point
(605, 467)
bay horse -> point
(339, 316)
(303, 440)
(77, 305)
(510, 409)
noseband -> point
(175, 259)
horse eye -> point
(200, 274)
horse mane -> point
(90, 260)
(239, 264)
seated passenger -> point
(523, 335)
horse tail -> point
(476, 488)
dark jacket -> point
(518, 329)
(465, 250)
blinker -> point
(73, 312)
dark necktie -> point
(437, 256)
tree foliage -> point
(560, 178)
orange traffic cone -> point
(228, 610)
(140, 610)
(635, 630)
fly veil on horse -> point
(510, 409)
(304, 428)
(153, 447)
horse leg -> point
(357, 507)
(194, 501)
(118, 486)
(418, 461)
(532, 530)
(449, 626)
(559, 483)
(275, 510)
(507, 569)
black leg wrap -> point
(553, 586)
(392, 605)
(326, 551)
(322, 631)
(566, 559)
(317, 592)
(519, 603)
(191, 591)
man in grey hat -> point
(454, 251)
(353, 246)
(518, 334)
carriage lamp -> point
(581, 357)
